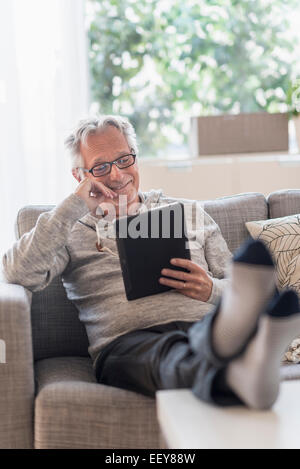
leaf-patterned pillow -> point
(282, 237)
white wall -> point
(211, 177)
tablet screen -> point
(146, 243)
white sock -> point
(255, 375)
(251, 287)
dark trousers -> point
(168, 356)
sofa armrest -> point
(16, 368)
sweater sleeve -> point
(41, 254)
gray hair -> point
(91, 125)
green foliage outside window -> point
(293, 98)
(158, 62)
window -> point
(161, 61)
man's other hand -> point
(196, 283)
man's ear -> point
(77, 174)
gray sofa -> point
(49, 395)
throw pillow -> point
(282, 237)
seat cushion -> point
(289, 371)
(73, 411)
(231, 213)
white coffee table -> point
(186, 422)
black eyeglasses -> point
(102, 169)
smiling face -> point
(105, 146)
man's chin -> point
(126, 198)
(120, 204)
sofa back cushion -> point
(56, 328)
(283, 203)
(231, 213)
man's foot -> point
(252, 284)
(255, 375)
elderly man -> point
(184, 337)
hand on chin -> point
(118, 206)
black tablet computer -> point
(146, 243)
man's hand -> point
(93, 193)
(196, 283)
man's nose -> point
(115, 172)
